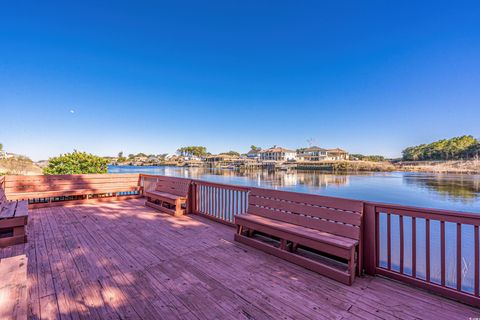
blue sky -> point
(370, 77)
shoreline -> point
(441, 167)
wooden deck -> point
(122, 260)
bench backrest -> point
(45, 183)
(175, 186)
(338, 216)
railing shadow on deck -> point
(431, 249)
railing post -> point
(192, 198)
(369, 238)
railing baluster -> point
(427, 250)
(414, 247)
(477, 260)
(442, 252)
(400, 217)
(217, 204)
(459, 256)
(389, 241)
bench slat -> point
(352, 218)
(48, 194)
(339, 229)
(8, 210)
(330, 202)
(22, 209)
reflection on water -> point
(443, 191)
(463, 188)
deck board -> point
(122, 260)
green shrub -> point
(76, 163)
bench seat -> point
(295, 232)
(13, 221)
(162, 195)
(322, 234)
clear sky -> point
(103, 77)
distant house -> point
(278, 154)
(313, 154)
(337, 154)
(320, 154)
(221, 158)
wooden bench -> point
(50, 190)
(170, 195)
(322, 234)
(13, 221)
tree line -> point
(457, 148)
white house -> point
(278, 154)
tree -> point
(76, 163)
(255, 148)
(121, 158)
(232, 153)
(446, 149)
(197, 151)
(1, 146)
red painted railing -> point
(432, 249)
(220, 202)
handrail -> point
(400, 241)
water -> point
(441, 191)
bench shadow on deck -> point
(124, 260)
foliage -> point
(76, 163)
(1, 146)
(255, 148)
(374, 158)
(232, 153)
(121, 157)
(17, 165)
(464, 147)
(189, 151)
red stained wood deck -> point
(122, 260)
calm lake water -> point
(442, 191)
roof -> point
(221, 156)
(276, 149)
(314, 148)
(336, 150)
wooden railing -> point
(432, 249)
(220, 202)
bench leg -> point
(352, 265)
(283, 244)
(178, 207)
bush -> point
(76, 163)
